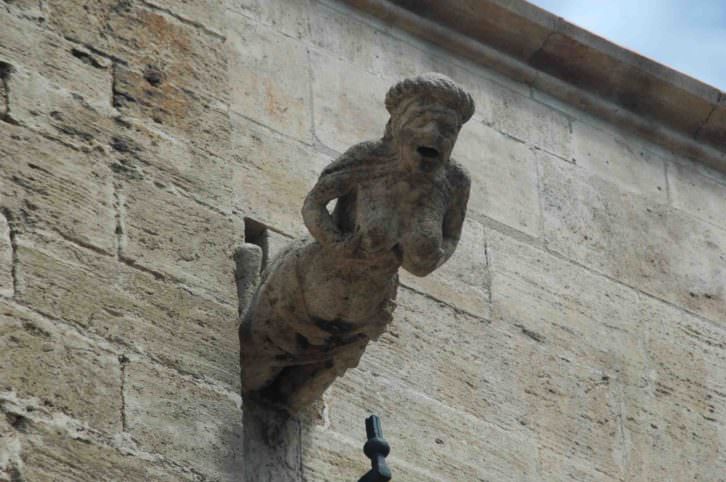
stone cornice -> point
(569, 63)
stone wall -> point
(579, 333)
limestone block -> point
(343, 32)
(698, 194)
(189, 423)
(272, 175)
(656, 249)
(504, 177)
(63, 64)
(50, 185)
(526, 119)
(565, 308)
(289, 18)
(61, 114)
(52, 446)
(144, 151)
(621, 379)
(167, 232)
(347, 102)
(166, 50)
(187, 331)
(331, 457)
(581, 347)
(29, 9)
(554, 466)
(468, 365)
(270, 77)
(468, 448)
(209, 15)
(6, 259)
(462, 280)
(623, 161)
(679, 410)
(65, 370)
(177, 112)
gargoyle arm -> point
(454, 218)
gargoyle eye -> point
(428, 152)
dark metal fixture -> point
(376, 449)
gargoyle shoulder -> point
(458, 177)
(355, 155)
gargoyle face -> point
(426, 136)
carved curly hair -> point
(433, 85)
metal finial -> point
(376, 449)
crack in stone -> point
(14, 247)
(119, 221)
(123, 361)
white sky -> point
(689, 36)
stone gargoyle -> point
(400, 202)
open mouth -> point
(427, 152)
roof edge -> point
(577, 67)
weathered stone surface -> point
(144, 151)
(619, 377)
(400, 203)
(368, 44)
(626, 162)
(203, 121)
(41, 356)
(449, 356)
(46, 445)
(680, 408)
(581, 346)
(647, 245)
(272, 174)
(208, 15)
(47, 184)
(59, 113)
(170, 233)
(328, 456)
(186, 422)
(127, 306)
(537, 124)
(271, 78)
(697, 194)
(6, 259)
(504, 172)
(468, 448)
(272, 444)
(347, 106)
(28, 9)
(290, 18)
(167, 51)
(63, 64)
(462, 280)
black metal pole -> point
(376, 449)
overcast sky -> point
(687, 35)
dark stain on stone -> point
(87, 58)
(18, 421)
(153, 76)
(335, 327)
(531, 334)
(5, 70)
